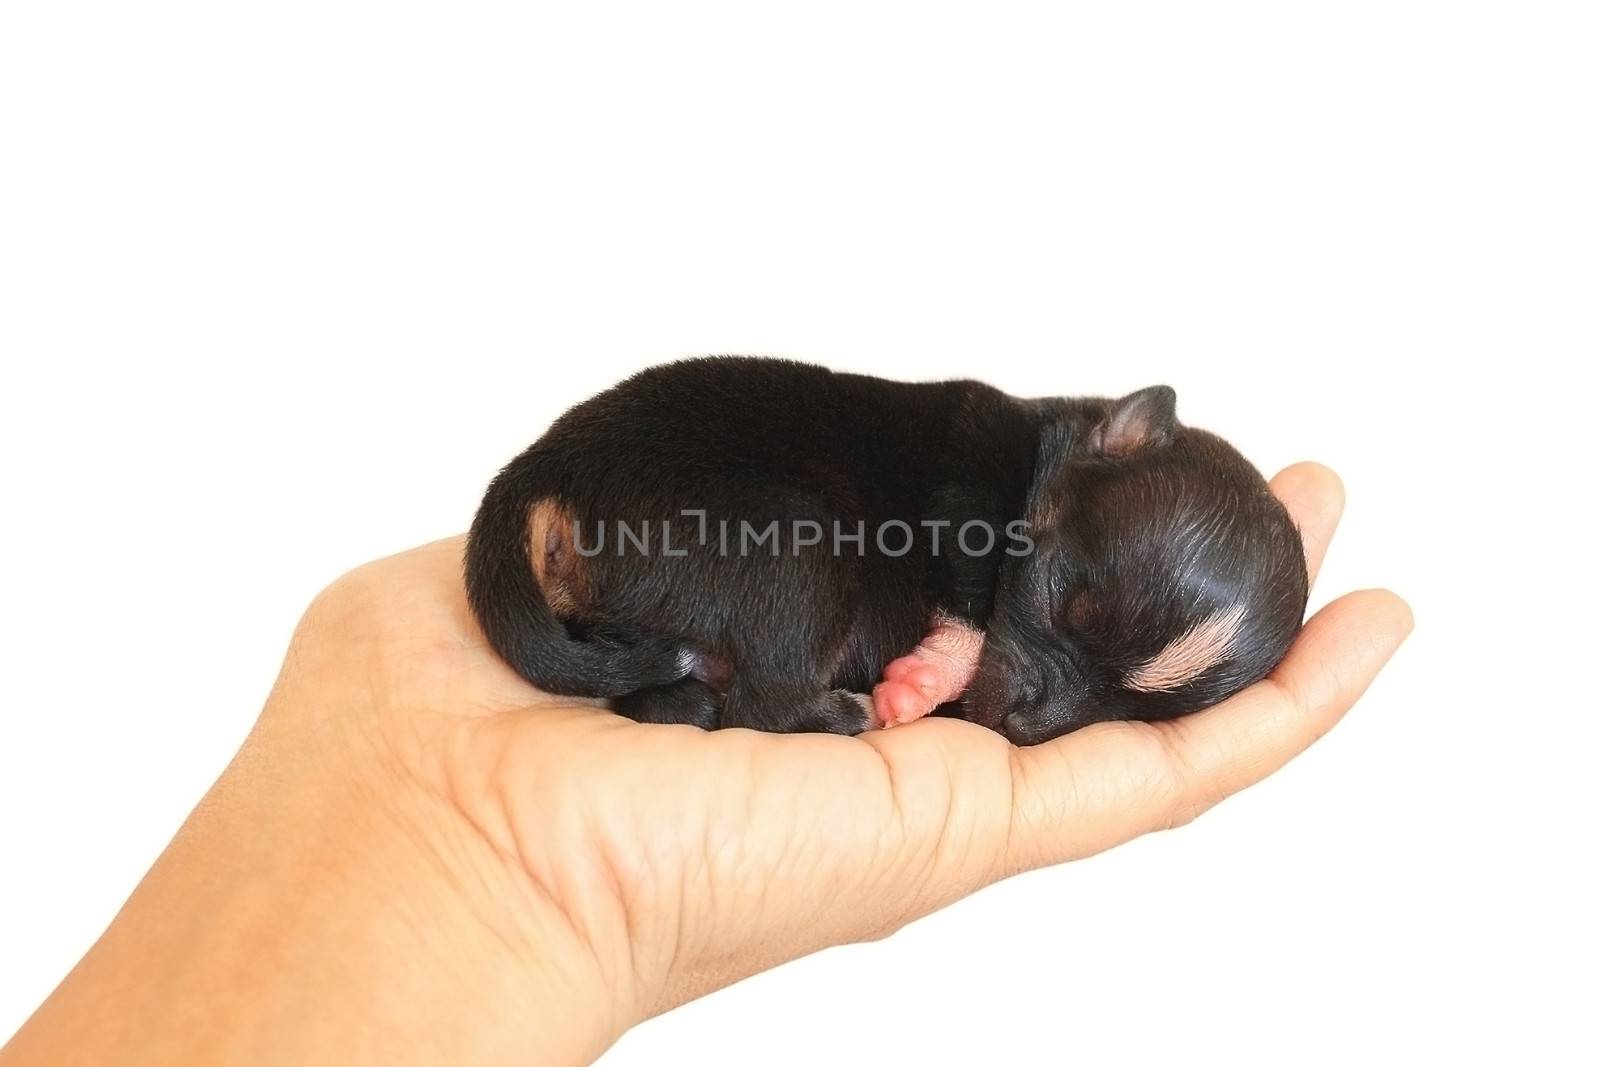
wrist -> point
(318, 907)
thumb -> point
(1112, 782)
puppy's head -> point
(1164, 577)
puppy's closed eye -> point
(1082, 611)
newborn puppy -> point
(753, 542)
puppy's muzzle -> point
(1025, 689)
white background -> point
(281, 285)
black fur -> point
(1155, 524)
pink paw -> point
(937, 670)
(911, 688)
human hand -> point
(565, 873)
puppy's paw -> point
(857, 714)
(910, 691)
(936, 671)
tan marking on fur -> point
(557, 567)
(1188, 657)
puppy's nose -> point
(1026, 727)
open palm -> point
(679, 861)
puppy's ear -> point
(1141, 420)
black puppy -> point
(753, 542)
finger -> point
(1108, 783)
(1314, 497)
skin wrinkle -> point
(897, 805)
(548, 884)
(450, 867)
(1192, 795)
(1024, 819)
(931, 859)
(1008, 863)
(980, 832)
(938, 855)
(625, 891)
(1189, 656)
